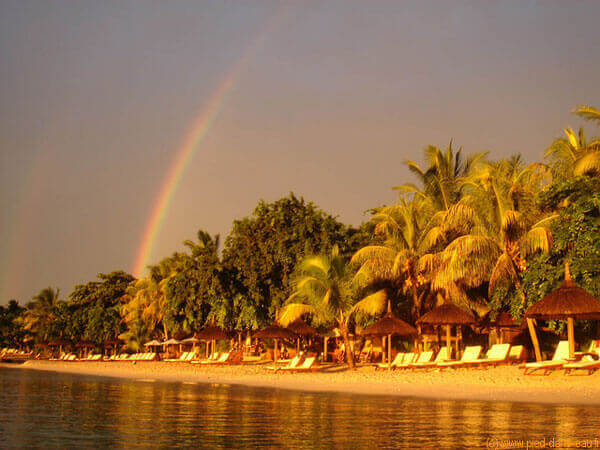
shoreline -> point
(505, 384)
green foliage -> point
(11, 331)
(93, 311)
(576, 238)
(262, 251)
(195, 292)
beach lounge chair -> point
(516, 354)
(423, 358)
(307, 366)
(408, 359)
(443, 355)
(498, 354)
(589, 362)
(221, 360)
(212, 357)
(290, 365)
(561, 354)
(470, 354)
(183, 357)
(397, 360)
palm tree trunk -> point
(416, 303)
(349, 352)
(165, 331)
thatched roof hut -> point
(301, 328)
(569, 300)
(447, 314)
(58, 343)
(114, 342)
(212, 333)
(389, 325)
(275, 332)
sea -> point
(46, 409)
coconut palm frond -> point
(474, 245)
(378, 252)
(587, 113)
(310, 282)
(513, 224)
(546, 221)
(294, 311)
(459, 217)
(538, 239)
(428, 263)
(372, 305)
(589, 164)
(402, 258)
(433, 237)
(315, 263)
(503, 271)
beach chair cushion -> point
(407, 360)
(306, 365)
(424, 357)
(470, 354)
(397, 360)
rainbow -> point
(190, 145)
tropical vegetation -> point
(489, 235)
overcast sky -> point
(96, 98)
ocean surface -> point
(44, 409)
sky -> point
(322, 98)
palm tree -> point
(396, 260)
(574, 155)
(324, 289)
(39, 313)
(512, 230)
(412, 230)
(445, 178)
(588, 113)
(145, 302)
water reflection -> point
(42, 409)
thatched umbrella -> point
(212, 333)
(302, 329)
(275, 332)
(83, 346)
(448, 315)
(153, 343)
(389, 325)
(568, 302)
(113, 343)
(58, 343)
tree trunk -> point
(349, 352)
(416, 303)
(165, 331)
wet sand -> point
(493, 384)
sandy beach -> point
(494, 384)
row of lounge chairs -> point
(497, 354)
(294, 365)
(589, 361)
(15, 354)
(148, 356)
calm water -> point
(43, 409)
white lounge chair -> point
(443, 355)
(561, 354)
(470, 354)
(497, 354)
